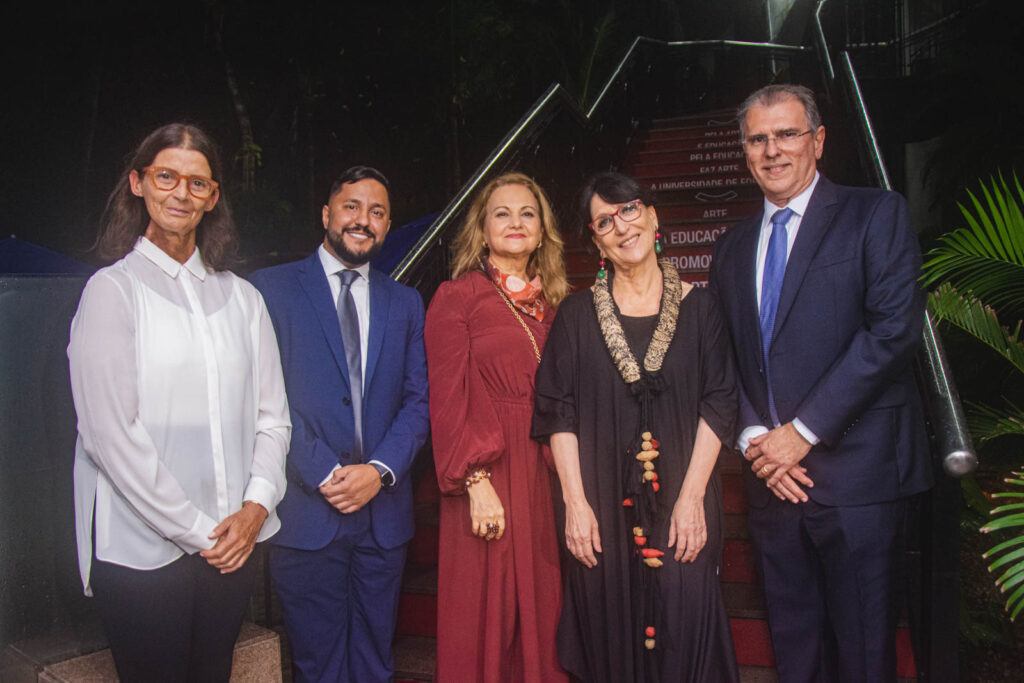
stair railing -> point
(953, 439)
(604, 126)
(934, 602)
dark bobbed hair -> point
(354, 175)
(125, 217)
(612, 187)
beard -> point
(354, 258)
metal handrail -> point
(954, 441)
(555, 95)
(626, 58)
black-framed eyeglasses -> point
(783, 139)
(628, 212)
(167, 179)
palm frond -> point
(987, 422)
(980, 321)
(1013, 575)
(986, 258)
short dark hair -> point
(125, 217)
(779, 92)
(354, 175)
(614, 188)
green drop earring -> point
(601, 274)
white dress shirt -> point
(181, 406)
(799, 206)
(360, 290)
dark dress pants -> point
(830, 577)
(176, 623)
(340, 604)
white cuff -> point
(743, 442)
(330, 475)
(261, 491)
(394, 479)
(198, 537)
(811, 437)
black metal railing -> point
(933, 555)
(558, 143)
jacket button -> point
(346, 401)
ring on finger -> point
(764, 469)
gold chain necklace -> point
(508, 302)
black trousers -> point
(172, 624)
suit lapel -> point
(380, 306)
(747, 277)
(821, 210)
(314, 283)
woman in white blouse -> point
(183, 422)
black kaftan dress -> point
(606, 609)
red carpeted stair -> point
(696, 166)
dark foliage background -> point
(294, 93)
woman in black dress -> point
(636, 394)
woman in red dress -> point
(499, 585)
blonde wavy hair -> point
(547, 261)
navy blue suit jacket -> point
(395, 414)
(848, 324)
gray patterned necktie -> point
(348, 320)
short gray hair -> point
(774, 94)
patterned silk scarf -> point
(527, 297)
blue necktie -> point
(771, 285)
(348, 319)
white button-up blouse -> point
(181, 406)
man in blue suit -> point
(351, 344)
(820, 295)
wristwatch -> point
(387, 479)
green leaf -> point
(1006, 559)
(980, 321)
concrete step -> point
(59, 658)
(672, 156)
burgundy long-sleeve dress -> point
(498, 601)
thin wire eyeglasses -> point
(784, 139)
(166, 179)
(628, 212)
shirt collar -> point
(798, 204)
(163, 260)
(332, 265)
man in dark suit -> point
(351, 344)
(820, 295)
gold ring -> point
(764, 468)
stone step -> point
(63, 658)
(670, 156)
(691, 169)
(725, 116)
(415, 658)
(667, 186)
(727, 131)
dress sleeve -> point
(719, 402)
(465, 427)
(554, 408)
(104, 385)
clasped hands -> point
(775, 457)
(235, 538)
(351, 487)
